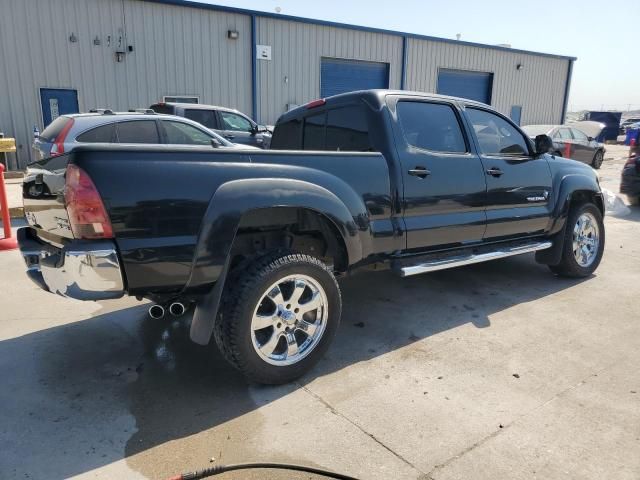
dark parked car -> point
(233, 125)
(105, 126)
(570, 142)
(627, 122)
(630, 182)
(256, 238)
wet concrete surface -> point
(498, 370)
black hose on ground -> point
(219, 469)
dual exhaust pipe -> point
(176, 309)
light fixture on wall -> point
(120, 56)
(233, 34)
(73, 38)
(519, 66)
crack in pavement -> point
(368, 434)
(450, 460)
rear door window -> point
(138, 131)
(203, 117)
(347, 130)
(313, 136)
(431, 126)
(101, 134)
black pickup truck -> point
(256, 239)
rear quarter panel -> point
(157, 199)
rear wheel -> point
(597, 159)
(279, 317)
(583, 242)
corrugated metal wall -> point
(538, 87)
(185, 51)
(296, 52)
(177, 51)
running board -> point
(471, 258)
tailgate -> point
(43, 198)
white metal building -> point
(61, 56)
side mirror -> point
(543, 144)
(590, 139)
(215, 143)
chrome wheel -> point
(586, 239)
(289, 320)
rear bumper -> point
(82, 270)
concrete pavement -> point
(498, 370)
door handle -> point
(420, 172)
(495, 172)
(229, 137)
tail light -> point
(57, 148)
(87, 215)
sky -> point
(603, 35)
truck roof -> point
(375, 97)
(198, 106)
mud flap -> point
(553, 255)
(206, 311)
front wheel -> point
(583, 242)
(597, 159)
(278, 317)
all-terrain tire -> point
(569, 265)
(245, 294)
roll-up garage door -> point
(341, 76)
(466, 84)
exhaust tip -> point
(156, 311)
(177, 309)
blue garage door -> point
(465, 84)
(341, 76)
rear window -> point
(313, 136)
(53, 130)
(203, 117)
(102, 134)
(138, 131)
(161, 108)
(348, 130)
(287, 136)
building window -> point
(181, 99)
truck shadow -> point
(123, 381)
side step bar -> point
(471, 258)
